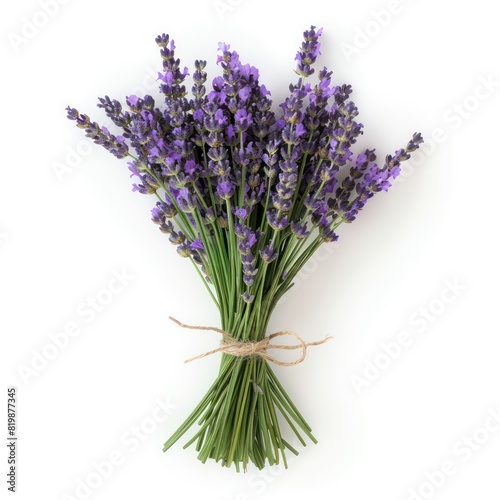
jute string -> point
(234, 347)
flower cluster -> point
(224, 163)
(248, 192)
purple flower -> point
(132, 100)
(197, 245)
(167, 227)
(242, 120)
(198, 115)
(299, 229)
(223, 159)
(173, 77)
(241, 213)
(230, 133)
(275, 221)
(191, 167)
(225, 189)
(249, 73)
(244, 94)
(268, 253)
(247, 237)
(328, 234)
(309, 52)
(184, 250)
(263, 91)
(248, 298)
(224, 47)
(248, 280)
(100, 135)
(162, 211)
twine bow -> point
(234, 347)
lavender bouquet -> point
(247, 193)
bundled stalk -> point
(247, 193)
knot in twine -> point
(259, 348)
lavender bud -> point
(247, 297)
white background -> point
(434, 236)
